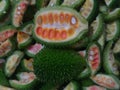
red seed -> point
(63, 34)
(39, 30)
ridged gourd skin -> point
(58, 66)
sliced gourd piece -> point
(33, 49)
(59, 26)
(97, 28)
(42, 3)
(6, 48)
(82, 53)
(116, 48)
(12, 62)
(5, 88)
(26, 81)
(28, 28)
(107, 81)
(18, 12)
(4, 6)
(110, 64)
(111, 3)
(3, 79)
(94, 87)
(54, 3)
(113, 30)
(112, 16)
(89, 10)
(73, 3)
(73, 85)
(94, 57)
(27, 64)
(23, 39)
(6, 32)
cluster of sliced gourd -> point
(89, 27)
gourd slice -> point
(18, 12)
(94, 57)
(113, 30)
(73, 3)
(32, 50)
(26, 81)
(72, 86)
(59, 26)
(89, 10)
(23, 39)
(4, 6)
(12, 62)
(94, 87)
(5, 88)
(107, 81)
(116, 48)
(110, 65)
(97, 28)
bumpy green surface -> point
(54, 65)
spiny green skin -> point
(21, 54)
(76, 4)
(117, 81)
(106, 63)
(41, 3)
(55, 3)
(57, 66)
(94, 11)
(112, 4)
(66, 43)
(3, 79)
(99, 29)
(112, 16)
(117, 34)
(5, 8)
(100, 55)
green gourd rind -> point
(112, 16)
(89, 10)
(73, 3)
(97, 26)
(7, 48)
(12, 62)
(58, 66)
(56, 36)
(107, 81)
(92, 87)
(93, 57)
(54, 3)
(18, 12)
(73, 85)
(20, 84)
(5, 88)
(3, 79)
(113, 30)
(4, 6)
(110, 64)
(111, 3)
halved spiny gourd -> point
(12, 62)
(73, 3)
(5, 88)
(94, 87)
(6, 32)
(89, 9)
(23, 39)
(26, 81)
(32, 50)
(107, 81)
(94, 57)
(18, 12)
(113, 30)
(97, 27)
(59, 26)
(4, 6)
(110, 65)
(6, 48)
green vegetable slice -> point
(5, 88)
(107, 81)
(12, 63)
(50, 26)
(94, 87)
(89, 10)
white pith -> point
(108, 1)
(2, 5)
(65, 26)
(70, 86)
(87, 8)
(52, 2)
(69, 2)
(116, 48)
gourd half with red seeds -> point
(94, 57)
(59, 26)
